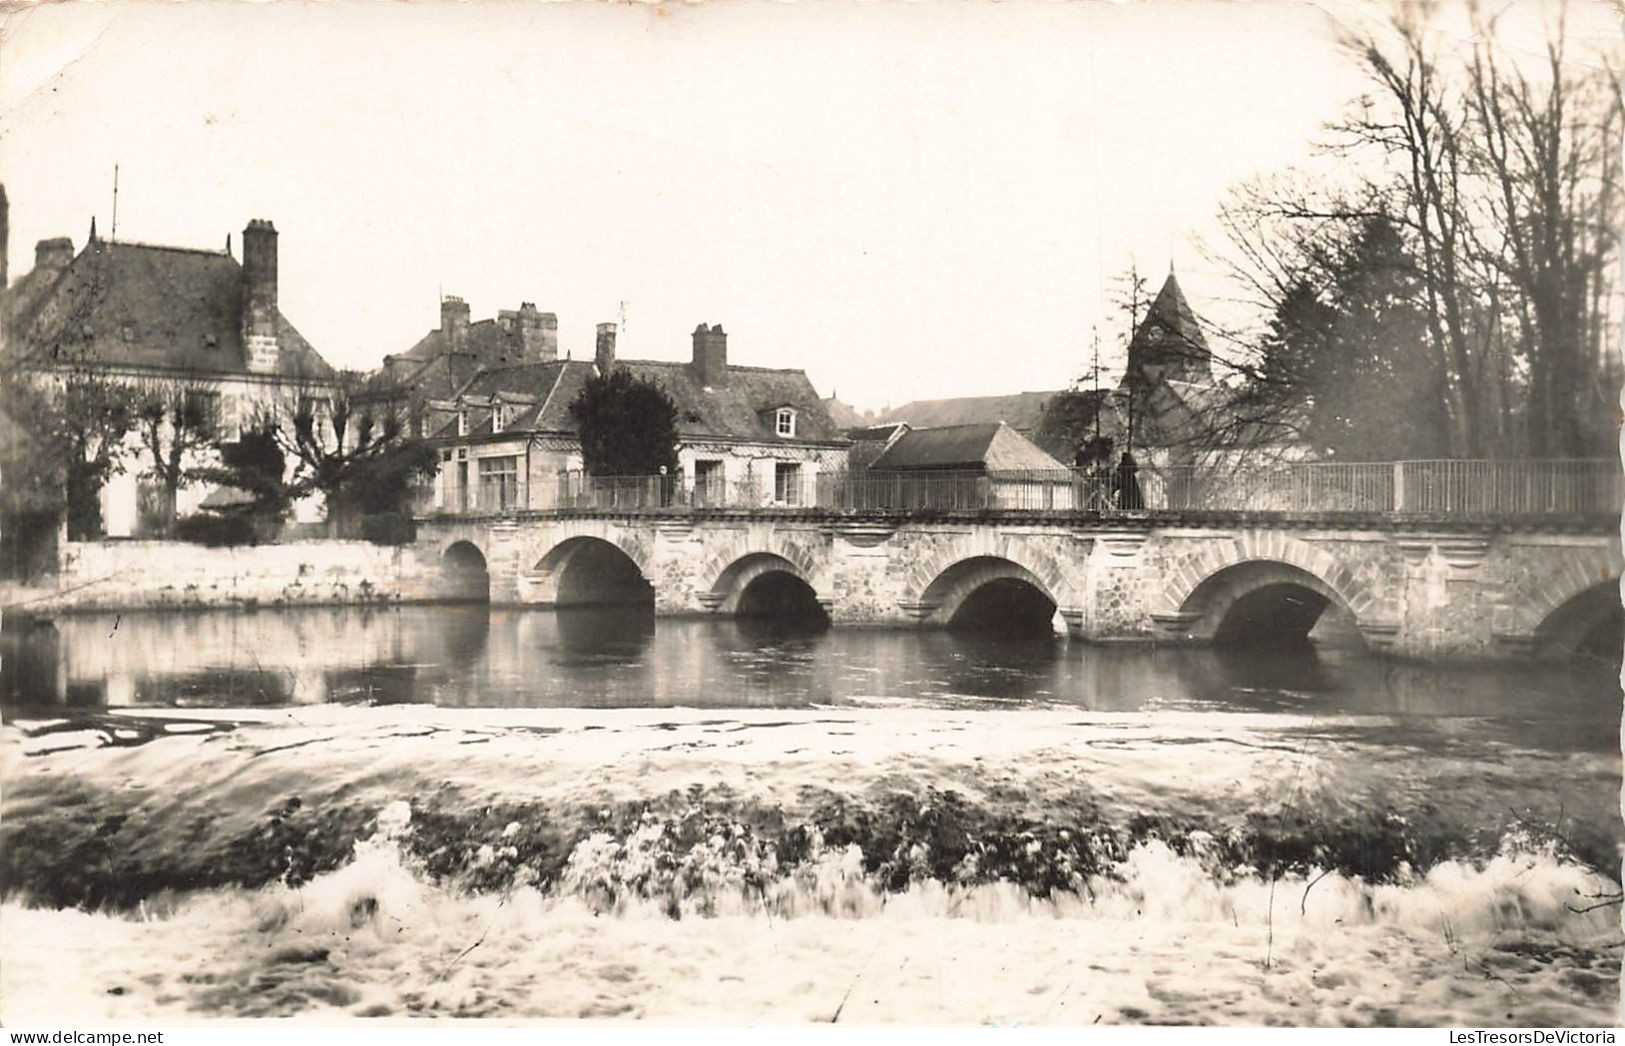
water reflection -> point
(473, 656)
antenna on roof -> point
(113, 236)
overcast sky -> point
(907, 201)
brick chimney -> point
(604, 354)
(538, 333)
(454, 323)
(710, 356)
(260, 346)
(53, 255)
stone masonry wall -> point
(130, 574)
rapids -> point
(901, 846)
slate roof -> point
(1022, 411)
(439, 378)
(144, 305)
(734, 409)
(738, 410)
(991, 448)
(1171, 335)
(876, 432)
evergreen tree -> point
(628, 426)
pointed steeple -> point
(1169, 342)
(93, 228)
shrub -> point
(217, 531)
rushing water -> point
(321, 811)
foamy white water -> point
(430, 906)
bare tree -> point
(177, 423)
(1503, 181)
(348, 440)
(1548, 147)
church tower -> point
(1169, 343)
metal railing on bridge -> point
(1444, 487)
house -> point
(984, 465)
(1022, 411)
(980, 448)
(141, 314)
(445, 359)
(747, 436)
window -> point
(787, 483)
(786, 422)
(708, 482)
(500, 417)
(202, 409)
(499, 483)
(462, 423)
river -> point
(1299, 834)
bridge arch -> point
(804, 562)
(1261, 600)
(586, 570)
(767, 584)
(990, 592)
(1590, 624)
(1046, 569)
(637, 544)
(464, 573)
(1559, 589)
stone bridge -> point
(1433, 589)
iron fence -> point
(1475, 488)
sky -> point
(907, 200)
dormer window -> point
(462, 423)
(786, 423)
(499, 418)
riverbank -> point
(883, 863)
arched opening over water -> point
(779, 595)
(587, 571)
(986, 594)
(1589, 626)
(765, 587)
(463, 571)
(1268, 603)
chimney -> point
(604, 356)
(53, 256)
(454, 322)
(259, 297)
(538, 333)
(710, 355)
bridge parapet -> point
(1442, 488)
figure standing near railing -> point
(1128, 483)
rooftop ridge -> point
(206, 251)
(731, 366)
(943, 428)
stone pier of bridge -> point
(1450, 589)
